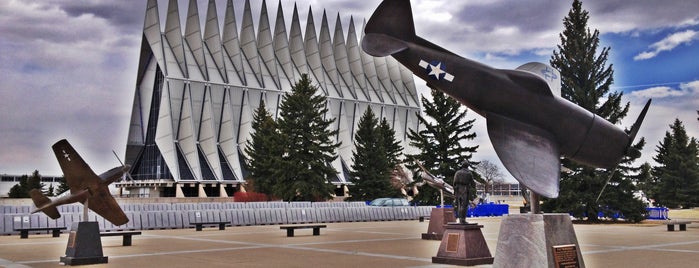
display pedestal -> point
(84, 245)
(438, 218)
(463, 244)
(537, 240)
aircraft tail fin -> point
(44, 204)
(393, 18)
(388, 27)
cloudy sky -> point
(68, 68)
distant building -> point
(8, 181)
(196, 94)
(500, 189)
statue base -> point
(537, 240)
(438, 218)
(84, 245)
(463, 244)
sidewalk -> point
(357, 245)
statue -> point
(462, 179)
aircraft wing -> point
(529, 153)
(102, 203)
(78, 174)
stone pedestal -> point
(84, 245)
(438, 218)
(537, 240)
(463, 244)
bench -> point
(221, 224)
(682, 224)
(423, 218)
(290, 228)
(55, 231)
(126, 234)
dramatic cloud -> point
(690, 89)
(669, 103)
(69, 67)
(668, 43)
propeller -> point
(630, 151)
(127, 173)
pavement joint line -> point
(302, 246)
(352, 241)
(656, 247)
(359, 253)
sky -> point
(68, 68)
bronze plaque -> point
(453, 242)
(565, 256)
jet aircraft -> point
(85, 187)
(529, 124)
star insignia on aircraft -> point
(66, 155)
(549, 74)
(436, 70)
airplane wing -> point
(102, 203)
(78, 174)
(529, 153)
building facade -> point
(7, 181)
(197, 88)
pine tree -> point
(586, 80)
(26, 184)
(62, 186)
(50, 191)
(676, 178)
(305, 170)
(441, 142)
(371, 168)
(391, 145)
(264, 151)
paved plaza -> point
(362, 244)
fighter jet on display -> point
(530, 125)
(435, 182)
(85, 187)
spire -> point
(264, 46)
(232, 46)
(310, 44)
(326, 51)
(193, 37)
(249, 44)
(173, 33)
(342, 61)
(212, 38)
(281, 44)
(296, 47)
(151, 30)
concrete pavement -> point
(363, 244)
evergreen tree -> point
(371, 168)
(676, 178)
(50, 191)
(586, 80)
(645, 181)
(441, 142)
(264, 151)
(16, 191)
(26, 184)
(391, 145)
(304, 170)
(62, 186)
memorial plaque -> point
(453, 242)
(565, 256)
